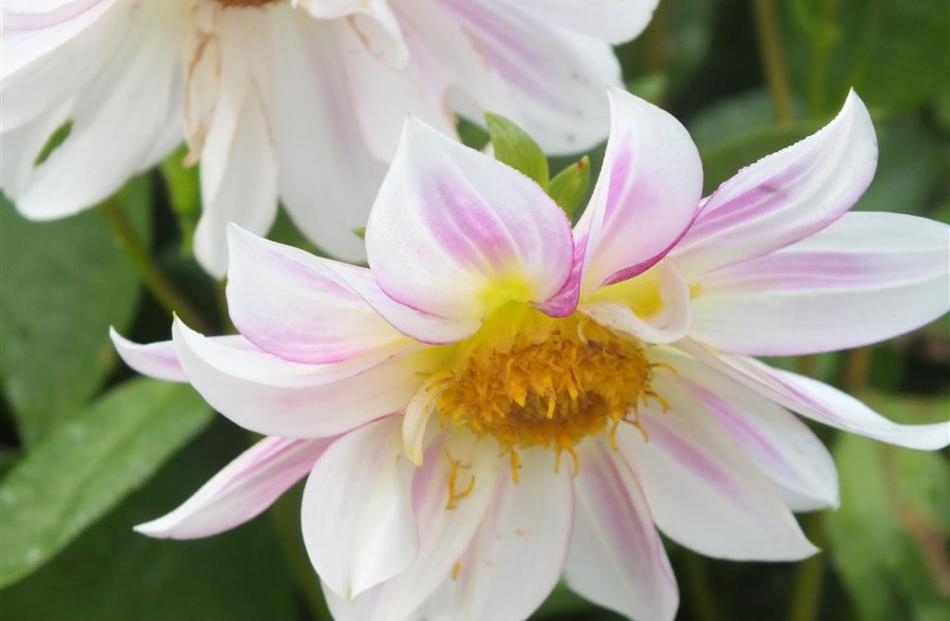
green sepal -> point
(517, 149)
(569, 187)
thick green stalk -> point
(773, 60)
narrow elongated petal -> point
(774, 439)
(288, 303)
(528, 525)
(616, 558)
(445, 529)
(614, 21)
(688, 461)
(646, 196)
(821, 402)
(358, 522)
(786, 196)
(455, 232)
(241, 491)
(269, 395)
(867, 277)
(157, 360)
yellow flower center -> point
(528, 379)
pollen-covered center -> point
(532, 380)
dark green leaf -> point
(62, 284)
(87, 465)
(570, 186)
(517, 149)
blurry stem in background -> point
(821, 38)
(656, 41)
(807, 365)
(773, 60)
(703, 597)
(155, 279)
(221, 298)
(806, 589)
(857, 368)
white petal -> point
(821, 402)
(241, 491)
(157, 360)
(786, 196)
(616, 557)
(614, 21)
(269, 395)
(646, 196)
(454, 232)
(372, 20)
(703, 491)
(867, 277)
(358, 521)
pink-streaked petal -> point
(444, 533)
(528, 525)
(776, 441)
(357, 516)
(288, 303)
(867, 277)
(616, 557)
(786, 196)
(241, 491)
(666, 319)
(454, 232)
(157, 360)
(615, 22)
(820, 402)
(273, 396)
(646, 196)
(703, 491)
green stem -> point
(701, 593)
(773, 60)
(221, 297)
(809, 579)
(158, 283)
(857, 368)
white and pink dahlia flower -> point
(499, 401)
(296, 100)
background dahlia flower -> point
(300, 101)
(499, 400)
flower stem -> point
(157, 282)
(697, 582)
(809, 579)
(773, 60)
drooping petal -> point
(613, 21)
(273, 396)
(774, 439)
(445, 528)
(616, 557)
(241, 491)
(528, 526)
(157, 360)
(653, 307)
(786, 196)
(867, 277)
(455, 232)
(357, 516)
(646, 196)
(821, 402)
(686, 460)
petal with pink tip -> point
(157, 360)
(867, 277)
(646, 196)
(270, 395)
(241, 491)
(454, 232)
(616, 557)
(821, 402)
(357, 516)
(786, 196)
(685, 460)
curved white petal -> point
(616, 557)
(454, 232)
(776, 441)
(867, 277)
(786, 196)
(703, 491)
(269, 395)
(241, 491)
(288, 303)
(646, 196)
(821, 402)
(357, 515)
(373, 21)
(654, 307)
(614, 21)
(157, 360)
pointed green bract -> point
(569, 187)
(517, 149)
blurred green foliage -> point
(80, 441)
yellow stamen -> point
(456, 494)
